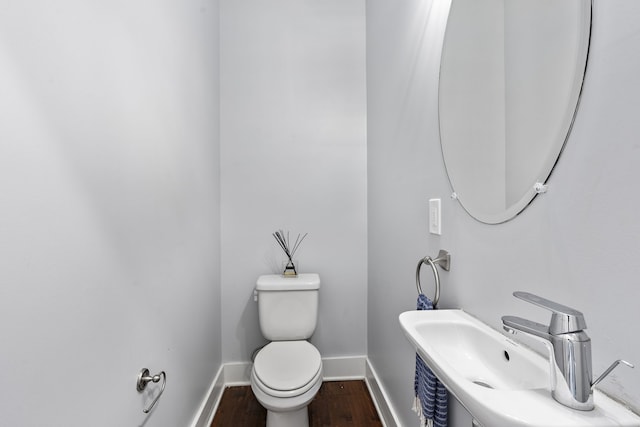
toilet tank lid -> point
(278, 282)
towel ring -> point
(444, 261)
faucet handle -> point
(609, 369)
(563, 319)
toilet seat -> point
(287, 368)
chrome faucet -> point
(571, 373)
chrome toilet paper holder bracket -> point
(145, 378)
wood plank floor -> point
(337, 404)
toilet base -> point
(299, 418)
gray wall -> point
(109, 210)
(293, 143)
(578, 244)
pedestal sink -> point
(499, 381)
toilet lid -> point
(287, 365)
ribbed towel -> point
(431, 402)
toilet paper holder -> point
(145, 378)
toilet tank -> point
(288, 306)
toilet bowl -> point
(286, 376)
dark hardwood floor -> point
(337, 404)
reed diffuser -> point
(289, 251)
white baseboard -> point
(237, 373)
(380, 399)
(210, 403)
(344, 368)
(334, 369)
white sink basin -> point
(499, 381)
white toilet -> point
(287, 372)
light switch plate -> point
(435, 217)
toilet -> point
(287, 372)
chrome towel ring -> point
(444, 261)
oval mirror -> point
(510, 82)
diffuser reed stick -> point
(289, 251)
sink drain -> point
(482, 383)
